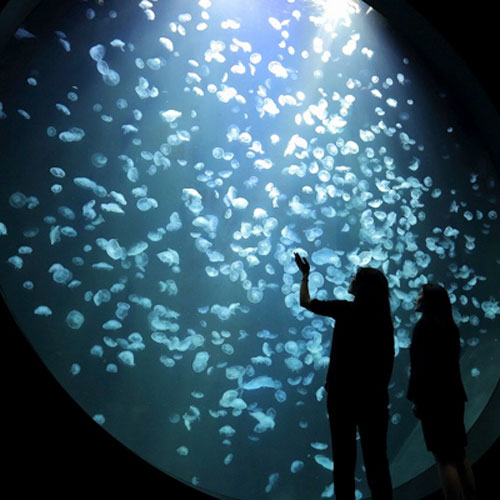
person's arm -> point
(330, 308)
(303, 265)
(305, 298)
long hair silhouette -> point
(371, 294)
(436, 303)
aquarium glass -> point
(161, 162)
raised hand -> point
(302, 264)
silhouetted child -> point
(437, 391)
(361, 361)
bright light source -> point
(334, 11)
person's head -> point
(369, 284)
(433, 300)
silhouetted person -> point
(437, 391)
(361, 361)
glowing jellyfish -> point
(75, 319)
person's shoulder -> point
(423, 321)
(333, 308)
(426, 322)
(432, 328)
(435, 323)
(422, 326)
(333, 302)
(347, 305)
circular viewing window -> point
(161, 163)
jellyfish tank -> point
(161, 163)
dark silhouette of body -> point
(437, 391)
(361, 361)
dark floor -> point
(43, 448)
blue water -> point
(163, 161)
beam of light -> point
(334, 12)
